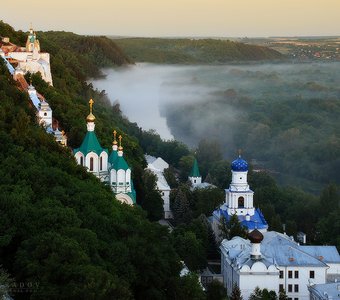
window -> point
(281, 287)
(91, 164)
(45, 114)
(101, 163)
(81, 161)
(194, 180)
(281, 274)
(296, 288)
(296, 298)
(290, 274)
(311, 274)
(290, 288)
(240, 202)
(296, 274)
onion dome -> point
(255, 236)
(239, 165)
(91, 117)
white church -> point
(29, 58)
(239, 201)
(111, 169)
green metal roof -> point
(113, 156)
(120, 164)
(90, 144)
(195, 172)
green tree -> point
(205, 201)
(231, 228)
(153, 202)
(170, 177)
(256, 294)
(283, 295)
(190, 249)
(216, 291)
(181, 208)
(187, 288)
(236, 293)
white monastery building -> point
(274, 261)
(29, 58)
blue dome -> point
(239, 165)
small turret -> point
(194, 175)
(255, 237)
(32, 43)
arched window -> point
(101, 163)
(81, 161)
(91, 164)
(240, 202)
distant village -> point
(267, 259)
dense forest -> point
(193, 51)
(63, 230)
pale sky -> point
(221, 18)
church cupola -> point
(239, 197)
(194, 175)
(32, 43)
(90, 154)
(120, 177)
(255, 237)
(114, 152)
(90, 118)
(120, 148)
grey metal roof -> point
(328, 254)
(326, 290)
(276, 248)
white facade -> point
(239, 197)
(195, 181)
(30, 59)
(284, 264)
(45, 114)
(157, 167)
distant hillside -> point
(188, 51)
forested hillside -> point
(60, 228)
(193, 51)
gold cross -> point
(91, 104)
(120, 141)
(114, 137)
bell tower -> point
(239, 196)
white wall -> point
(302, 281)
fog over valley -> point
(270, 110)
